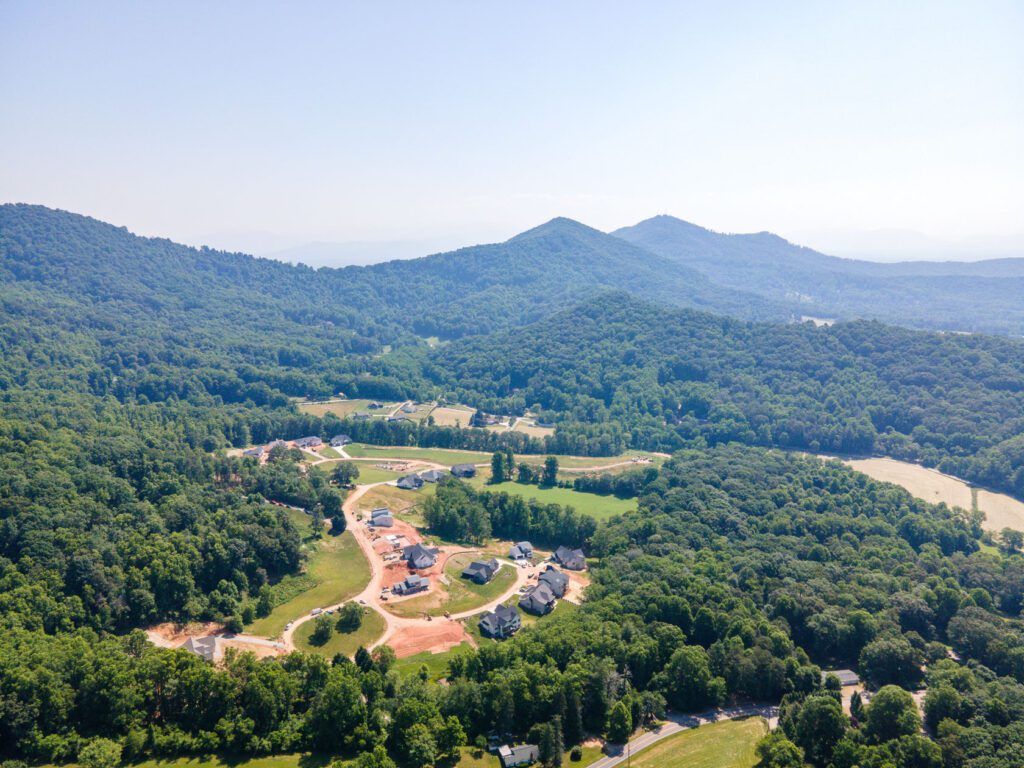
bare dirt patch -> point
(259, 649)
(437, 636)
(171, 635)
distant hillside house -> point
(360, 416)
(411, 584)
(572, 559)
(433, 475)
(521, 551)
(382, 518)
(399, 417)
(410, 482)
(481, 419)
(309, 442)
(523, 754)
(464, 470)
(556, 580)
(375, 406)
(339, 440)
(408, 408)
(276, 444)
(419, 557)
(539, 600)
(256, 452)
(502, 622)
(481, 571)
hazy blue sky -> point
(471, 121)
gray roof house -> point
(309, 442)
(256, 452)
(555, 579)
(359, 416)
(522, 754)
(502, 622)
(399, 417)
(202, 646)
(339, 440)
(433, 475)
(573, 559)
(419, 557)
(379, 511)
(521, 551)
(539, 600)
(408, 408)
(464, 470)
(481, 571)
(846, 676)
(411, 584)
(410, 482)
(383, 521)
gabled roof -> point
(341, 440)
(464, 469)
(538, 598)
(380, 511)
(506, 613)
(432, 475)
(555, 579)
(570, 558)
(485, 567)
(410, 481)
(202, 646)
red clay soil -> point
(438, 636)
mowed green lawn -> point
(214, 761)
(720, 745)
(598, 507)
(336, 569)
(436, 455)
(463, 594)
(341, 642)
(473, 758)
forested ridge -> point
(128, 364)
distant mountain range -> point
(981, 296)
(486, 288)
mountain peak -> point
(558, 226)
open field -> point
(532, 429)
(1001, 511)
(399, 501)
(451, 416)
(214, 761)
(335, 570)
(436, 663)
(329, 453)
(719, 745)
(340, 408)
(341, 642)
(436, 455)
(598, 507)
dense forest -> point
(743, 572)
(127, 365)
(641, 377)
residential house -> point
(398, 417)
(340, 440)
(555, 579)
(433, 475)
(481, 419)
(256, 453)
(276, 444)
(481, 571)
(539, 600)
(419, 556)
(310, 443)
(375, 406)
(522, 754)
(521, 551)
(408, 408)
(384, 520)
(846, 676)
(464, 470)
(206, 647)
(410, 482)
(360, 416)
(412, 584)
(502, 622)
(572, 559)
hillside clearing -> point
(336, 570)
(598, 507)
